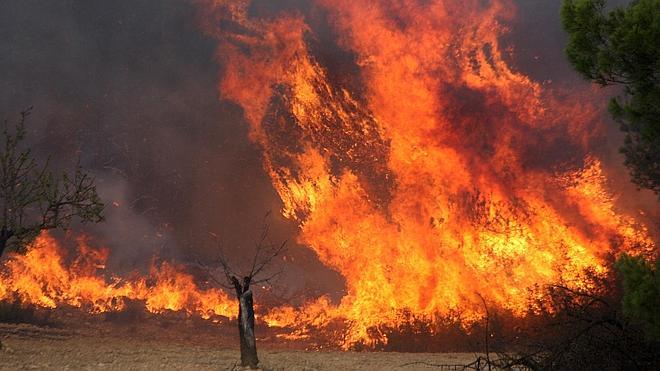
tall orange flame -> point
(422, 169)
(433, 182)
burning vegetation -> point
(432, 183)
(46, 277)
(418, 163)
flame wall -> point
(441, 175)
(406, 146)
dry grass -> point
(38, 347)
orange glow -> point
(430, 186)
(426, 188)
(41, 277)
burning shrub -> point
(584, 329)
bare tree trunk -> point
(5, 235)
(264, 254)
(241, 334)
(246, 323)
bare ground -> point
(90, 346)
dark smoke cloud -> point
(131, 88)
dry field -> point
(26, 346)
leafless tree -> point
(258, 272)
(32, 198)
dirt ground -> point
(26, 346)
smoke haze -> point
(130, 87)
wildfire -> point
(432, 183)
(41, 277)
(424, 169)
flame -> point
(41, 277)
(425, 169)
(433, 182)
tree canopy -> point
(622, 47)
(32, 198)
(641, 299)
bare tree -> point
(265, 252)
(32, 198)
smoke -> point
(130, 87)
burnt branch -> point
(210, 274)
(264, 255)
(487, 331)
(265, 252)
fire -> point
(420, 165)
(42, 277)
(433, 183)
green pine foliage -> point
(622, 47)
(641, 292)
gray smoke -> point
(130, 87)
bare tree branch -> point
(32, 199)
